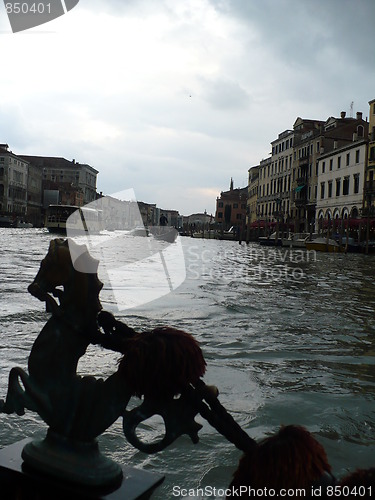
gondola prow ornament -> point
(163, 366)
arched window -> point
(354, 213)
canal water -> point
(288, 336)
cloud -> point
(172, 98)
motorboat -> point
(270, 240)
(298, 240)
(324, 244)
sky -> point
(172, 98)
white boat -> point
(23, 224)
(72, 219)
(270, 240)
(210, 235)
(298, 240)
(231, 234)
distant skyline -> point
(172, 99)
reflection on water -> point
(289, 337)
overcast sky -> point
(174, 97)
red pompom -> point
(161, 363)
(292, 458)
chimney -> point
(355, 137)
(334, 144)
(359, 115)
(343, 114)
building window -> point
(372, 154)
(329, 189)
(356, 183)
(339, 162)
(331, 164)
(220, 204)
(235, 205)
(357, 156)
(220, 215)
(345, 185)
(322, 187)
(338, 187)
(323, 167)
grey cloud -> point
(225, 94)
(297, 30)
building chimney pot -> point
(343, 114)
(359, 115)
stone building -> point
(66, 173)
(13, 183)
(231, 208)
(341, 174)
(369, 191)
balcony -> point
(303, 161)
(301, 180)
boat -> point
(298, 240)
(7, 221)
(351, 245)
(231, 234)
(324, 244)
(72, 219)
(164, 233)
(210, 235)
(23, 224)
(139, 231)
(270, 240)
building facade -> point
(13, 183)
(231, 208)
(341, 175)
(369, 191)
(252, 195)
(66, 173)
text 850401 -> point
(25, 8)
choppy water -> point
(289, 337)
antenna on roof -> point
(351, 109)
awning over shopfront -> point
(299, 188)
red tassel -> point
(161, 363)
(292, 458)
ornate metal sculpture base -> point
(71, 460)
(25, 483)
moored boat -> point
(324, 244)
(298, 240)
(270, 240)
